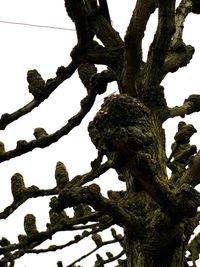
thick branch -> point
(133, 44)
(91, 195)
(104, 31)
(192, 174)
(182, 11)
(97, 54)
(180, 202)
(176, 58)
(78, 12)
(101, 80)
(159, 47)
(104, 10)
(190, 105)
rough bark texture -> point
(157, 213)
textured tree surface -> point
(158, 210)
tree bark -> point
(138, 255)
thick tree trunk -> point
(131, 134)
(138, 255)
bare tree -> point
(157, 211)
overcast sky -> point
(23, 48)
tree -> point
(158, 210)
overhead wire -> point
(36, 25)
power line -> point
(36, 25)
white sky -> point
(23, 48)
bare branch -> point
(133, 44)
(182, 151)
(63, 73)
(104, 31)
(111, 259)
(94, 173)
(177, 57)
(78, 13)
(24, 147)
(104, 10)
(27, 243)
(76, 240)
(190, 105)
(30, 192)
(182, 11)
(158, 49)
(95, 249)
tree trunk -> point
(140, 254)
(131, 134)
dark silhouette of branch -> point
(93, 174)
(61, 223)
(159, 47)
(133, 44)
(95, 249)
(31, 192)
(111, 259)
(77, 11)
(182, 151)
(22, 193)
(104, 10)
(63, 73)
(192, 174)
(24, 147)
(76, 240)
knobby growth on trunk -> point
(158, 211)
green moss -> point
(185, 131)
(157, 220)
(81, 210)
(97, 239)
(109, 255)
(36, 84)
(122, 126)
(40, 133)
(58, 218)
(30, 225)
(17, 186)
(4, 242)
(85, 233)
(61, 175)
(22, 238)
